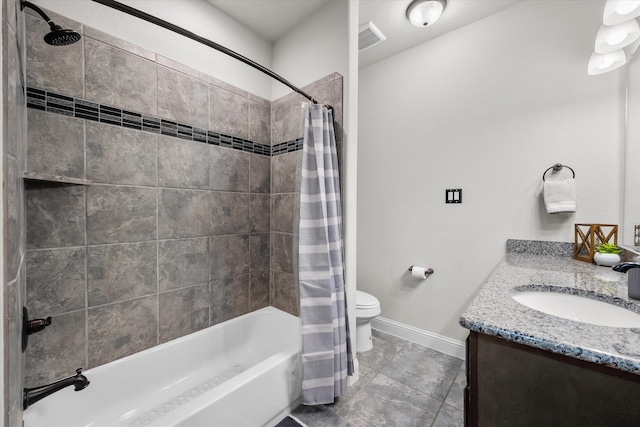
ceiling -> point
(272, 19)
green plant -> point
(608, 248)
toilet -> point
(367, 307)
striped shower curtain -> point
(326, 348)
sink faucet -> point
(32, 395)
(633, 271)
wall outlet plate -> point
(453, 195)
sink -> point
(578, 308)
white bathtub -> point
(243, 372)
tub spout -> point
(633, 272)
(32, 395)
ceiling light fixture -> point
(618, 11)
(603, 63)
(610, 38)
(422, 13)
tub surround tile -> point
(259, 249)
(182, 98)
(120, 155)
(58, 352)
(181, 68)
(282, 252)
(120, 272)
(182, 263)
(494, 312)
(285, 173)
(284, 212)
(259, 290)
(120, 329)
(229, 169)
(56, 281)
(49, 68)
(229, 213)
(184, 213)
(13, 337)
(183, 311)
(15, 231)
(260, 122)
(260, 174)
(228, 112)
(183, 164)
(229, 256)
(121, 214)
(284, 292)
(55, 215)
(55, 144)
(260, 213)
(116, 77)
(119, 43)
(229, 298)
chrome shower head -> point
(58, 36)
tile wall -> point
(14, 123)
(190, 216)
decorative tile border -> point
(75, 107)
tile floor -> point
(401, 384)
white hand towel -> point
(560, 195)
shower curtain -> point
(326, 347)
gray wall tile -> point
(286, 119)
(120, 214)
(229, 212)
(183, 311)
(229, 298)
(229, 256)
(229, 169)
(259, 290)
(118, 78)
(260, 213)
(182, 263)
(228, 112)
(284, 292)
(259, 248)
(55, 215)
(121, 156)
(285, 172)
(182, 98)
(58, 352)
(56, 281)
(284, 212)
(260, 174)
(183, 164)
(59, 70)
(259, 122)
(55, 144)
(119, 43)
(120, 272)
(120, 329)
(184, 213)
(169, 63)
(282, 252)
(15, 236)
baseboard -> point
(428, 339)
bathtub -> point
(242, 372)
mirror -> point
(631, 190)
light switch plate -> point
(453, 196)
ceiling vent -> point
(369, 36)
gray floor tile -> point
(326, 416)
(382, 352)
(449, 417)
(366, 375)
(455, 397)
(386, 402)
(425, 369)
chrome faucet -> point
(32, 395)
(633, 271)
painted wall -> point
(486, 108)
(632, 151)
(194, 15)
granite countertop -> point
(494, 312)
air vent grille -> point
(368, 36)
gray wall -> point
(13, 157)
(174, 234)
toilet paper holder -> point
(429, 270)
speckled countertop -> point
(494, 312)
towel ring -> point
(558, 167)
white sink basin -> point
(578, 308)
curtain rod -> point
(179, 30)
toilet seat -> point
(367, 306)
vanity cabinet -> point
(510, 384)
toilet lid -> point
(364, 299)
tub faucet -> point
(32, 395)
(633, 282)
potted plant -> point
(607, 254)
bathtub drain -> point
(185, 397)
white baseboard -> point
(428, 339)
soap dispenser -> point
(633, 282)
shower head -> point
(58, 36)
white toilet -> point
(367, 307)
